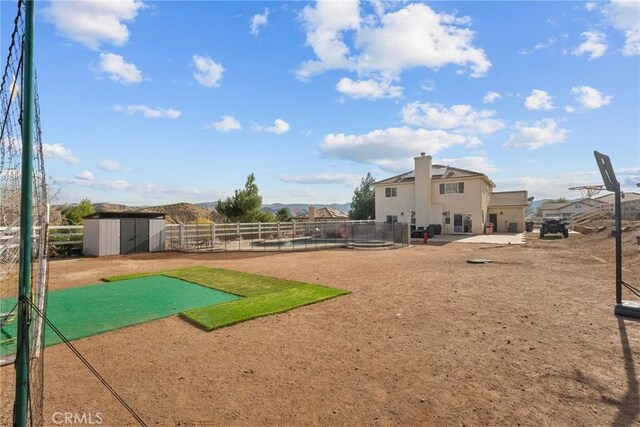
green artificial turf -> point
(94, 309)
(208, 297)
(227, 314)
(234, 282)
(263, 295)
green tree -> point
(363, 203)
(244, 205)
(558, 200)
(74, 214)
(283, 215)
(263, 216)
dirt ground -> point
(424, 339)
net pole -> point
(20, 408)
(618, 206)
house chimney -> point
(422, 190)
(312, 213)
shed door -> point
(127, 236)
(142, 235)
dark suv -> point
(554, 226)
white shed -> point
(123, 233)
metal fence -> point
(285, 236)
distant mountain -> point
(185, 213)
(208, 205)
(294, 208)
(302, 208)
(177, 213)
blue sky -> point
(158, 102)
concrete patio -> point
(495, 239)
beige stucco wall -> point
(403, 203)
(507, 215)
(473, 201)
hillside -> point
(294, 208)
(189, 213)
(176, 213)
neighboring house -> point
(630, 203)
(567, 209)
(322, 214)
(603, 204)
(457, 199)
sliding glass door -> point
(462, 223)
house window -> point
(390, 192)
(413, 217)
(392, 218)
(452, 187)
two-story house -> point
(461, 201)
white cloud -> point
(557, 185)
(324, 25)
(108, 165)
(546, 187)
(99, 185)
(539, 134)
(539, 100)
(118, 184)
(93, 22)
(458, 118)
(225, 124)
(85, 176)
(259, 20)
(629, 171)
(150, 189)
(149, 113)
(624, 15)
(550, 42)
(428, 85)
(208, 72)
(59, 152)
(590, 98)
(370, 89)
(595, 44)
(416, 36)
(279, 127)
(321, 178)
(589, 6)
(300, 192)
(391, 149)
(118, 69)
(490, 97)
(473, 163)
(570, 109)
(383, 46)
